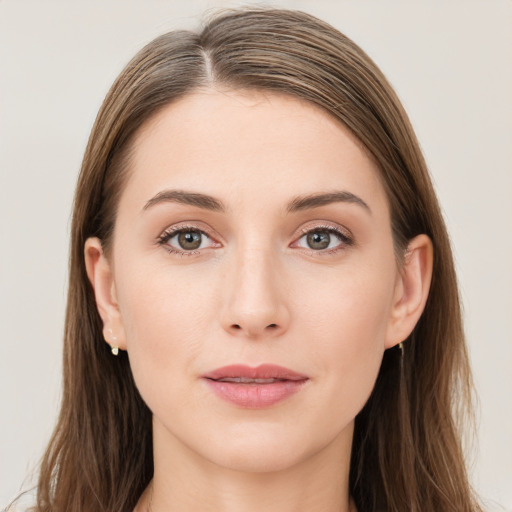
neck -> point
(183, 480)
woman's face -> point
(253, 230)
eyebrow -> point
(316, 200)
(299, 203)
(191, 198)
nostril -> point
(238, 327)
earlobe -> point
(411, 290)
(99, 272)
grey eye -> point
(321, 238)
(189, 240)
(318, 240)
(186, 240)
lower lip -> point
(255, 396)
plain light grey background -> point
(451, 64)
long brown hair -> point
(407, 453)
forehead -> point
(243, 146)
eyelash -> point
(344, 239)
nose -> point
(255, 304)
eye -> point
(185, 240)
(328, 239)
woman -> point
(256, 238)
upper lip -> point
(264, 371)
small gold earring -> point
(401, 348)
(115, 350)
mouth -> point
(245, 380)
(254, 388)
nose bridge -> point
(255, 305)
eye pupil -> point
(318, 240)
(189, 240)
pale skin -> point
(256, 290)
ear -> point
(411, 289)
(100, 274)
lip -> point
(255, 395)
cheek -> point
(351, 307)
(349, 322)
(165, 315)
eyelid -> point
(192, 225)
(327, 226)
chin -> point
(252, 448)
(258, 458)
